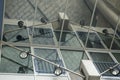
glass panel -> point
(107, 40)
(12, 63)
(43, 36)
(49, 9)
(68, 39)
(103, 61)
(72, 59)
(78, 12)
(117, 56)
(21, 10)
(93, 40)
(48, 54)
(100, 57)
(13, 33)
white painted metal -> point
(89, 70)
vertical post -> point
(1, 16)
(1, 23)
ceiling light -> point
(105, 31)
(23, 55)
(43, 20)
(57, 71)
(115, 71)
(19, 38)
(20, 24)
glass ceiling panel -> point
(78, 12)
(72, 59)
(93, 40)
(100, 57)
(48, 54)
(24, 9)
(103, 61)
(107, 40)
(49, 9)
(12, 63)
(68, 39)
(117, 56)
(43, 36)
(12, 33)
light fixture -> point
(115, 71)
(105, 31)
(20, 24)
(43, 20)
(23, 55)
(57, 71)
(19, 38)
(82, 23)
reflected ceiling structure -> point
(57, 35)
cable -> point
(109, 69)
(91, 22)
(63, 22)
(45, 60)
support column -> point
(1, 16)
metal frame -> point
(57, 44)
(58, 52)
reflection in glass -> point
(43, 36)
(93, 40)
(117, 56)
(12, 63)
(13, 33)
(107, 40)
(48, 54)
(21, 11)
(100, 57)
(103, 61)
(72, 59)
(68, 39)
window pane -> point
(68, 39)
(107, 40)
(117, 56)
(12, 63)
(13, 33)
(72, 59)
(93, 40)
(102, 61)
(43, 36)
(100, 57)
(48, 54)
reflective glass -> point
(43, 36)
(72, 59)
(100, 57)
(107, 39)
(117, 56)
(12, 33)
(68, 39)
(93, 40)
(12, 63)
(48, 54)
